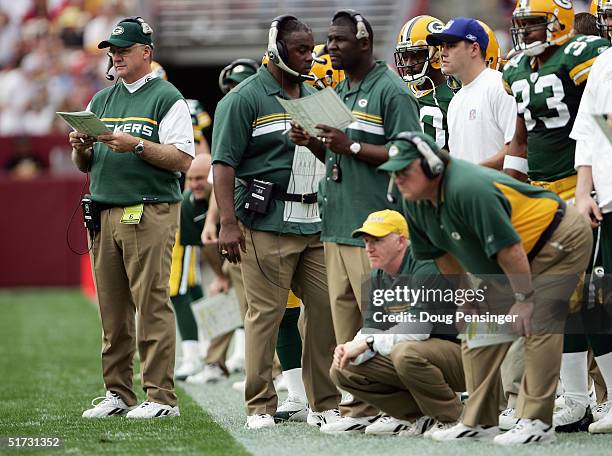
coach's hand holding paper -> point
(323, 107)
(85, 122)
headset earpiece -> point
(362, 30)
(431, 163)
(146, 28)
(277, 50)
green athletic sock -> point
(188, 328)
(289, 342)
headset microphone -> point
(392, 199)
(110, 76)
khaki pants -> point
(131, 267)
(565, 257)
(347, 267)
(292, 262)
(416, 379)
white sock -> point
(574, 377)
(191, 350)
(238, 351)
(604, 362)
(295, 385)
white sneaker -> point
(235, 364)
(507, 420)
(187, 368)
(574, 417)
(153, 410)
(559, 403)
(292, 409)
(603, 425)
(110, 405)
(466, 433)
(601, 410)
(239, 386)
(527, 431)
(212, 373)
(259, 421)
(388, 425)
(321, 418)
(438, 426)
(349, 424)
(419, 427)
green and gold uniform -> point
(548, 100)
(433, 106)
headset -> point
(277, 50)
(227, 71)
(431, 163)
(146, 30)
(362, 31)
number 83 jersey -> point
(548, 100)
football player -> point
(547, 77)
(419, 65)
(322, 73)
(602, 10)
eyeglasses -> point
(122, 52)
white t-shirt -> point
(481, 118)
(597, 99)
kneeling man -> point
(408, 371)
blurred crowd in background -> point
(49, 61)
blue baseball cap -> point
(460, 29)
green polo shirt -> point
(382, 107)
(480, 211)
(248, 136)
(414, 274)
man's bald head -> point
(197, 176)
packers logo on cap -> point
(393, 151)
(117, 30)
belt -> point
(548, 232)
(304, 198)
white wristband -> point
(516, 163)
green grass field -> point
(49, 358)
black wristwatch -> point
(370, 342)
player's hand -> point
(119, 141)
(220, 284)
(298, 135)
(336, 140)
(350, 351)
(589, 209)
(81, 141)
(338, 354)
(209, 233)
(523, 311)
(231, 242)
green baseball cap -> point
(128, 33)
(239, 73)
(402, 152)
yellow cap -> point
(382, 223)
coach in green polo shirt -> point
(478, 220)
(382, 107)
(278, 248)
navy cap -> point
(460, 29)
